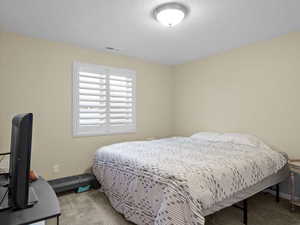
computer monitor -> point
(21, 135)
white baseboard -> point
(39, 223)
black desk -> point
(46, 208)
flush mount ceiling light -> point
(170, 14)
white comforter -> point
(172, 181)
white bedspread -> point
(171, 181)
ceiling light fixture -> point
(170, 14)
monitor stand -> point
(32, 197)
(5, 203)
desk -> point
(46, 208)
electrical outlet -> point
(56, 168)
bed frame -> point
(244, 205)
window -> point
(103, 100)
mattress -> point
(181, 180)
(267, 182)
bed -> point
(181, 180)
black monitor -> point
(21, 135)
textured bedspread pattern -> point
(172, 181)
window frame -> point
(106, 129)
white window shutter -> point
(103, 100)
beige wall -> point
(35, 76)
(253, 89)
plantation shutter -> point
(103, 100)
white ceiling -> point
(212, 26)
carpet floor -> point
(93, 208)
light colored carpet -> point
(93, 208)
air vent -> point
(112, 49)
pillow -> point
(243, 139)
(235, 138)
(209, 136)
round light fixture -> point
(170, 14)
